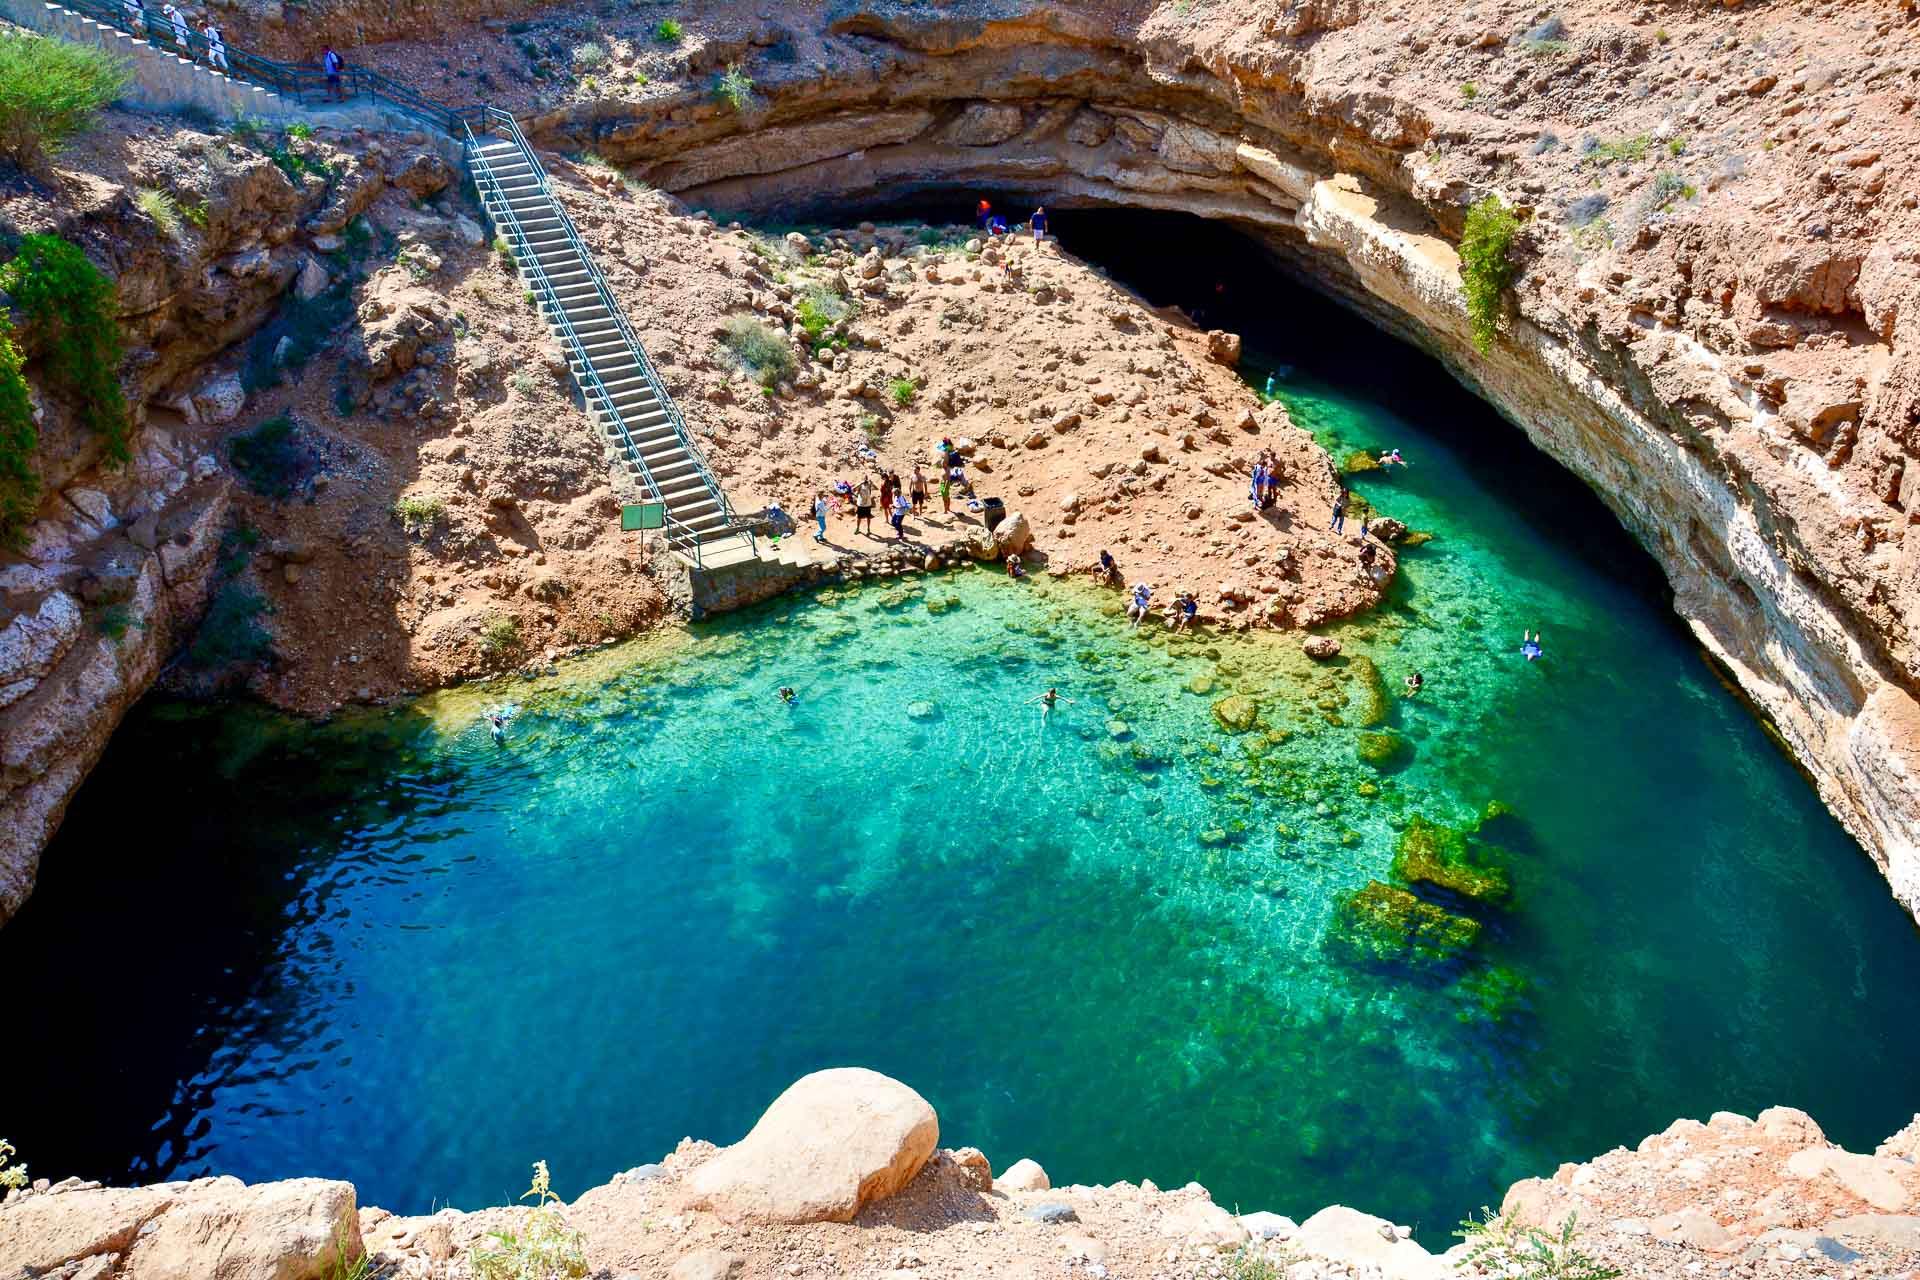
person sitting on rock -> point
(1104, 569)
(1141, 604)
(1013, 567)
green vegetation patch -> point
(1485, 270)
(1438, 856)
(1381, 924)
(1375, 706)
(268, 458)
(50, 91)
(760, 348)
(232, 632)
(1383, 750)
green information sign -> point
(643, 515)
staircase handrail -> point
(500, 209)
(289, 79)
(506, 121)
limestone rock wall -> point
(1733, 369)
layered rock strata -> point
(1713, 322)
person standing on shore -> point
(1040, 224)
(863, 504)
(1339, 524)
(820, 516)
(897, 516)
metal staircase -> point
(623, 392)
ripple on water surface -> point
(388, 951)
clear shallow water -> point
(387, 951)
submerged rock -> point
(1382, 924)
(1383, 750)
(1358, 461)
(1430, 854)
(1374, 705)
(1320, 648)
(1236, 713)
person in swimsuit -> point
(787, 695)
(919, 490)
(1047, 701)
(1530, 645)
(497, 726)
(1414, 683)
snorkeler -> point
(787, 695)
(1530, 644)
(497, 726)
(1414, 682)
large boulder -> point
(1236, 712)
(833, 1143)
(1223, 347)
(211, 1229)
(1012, 535)
(301, 1229)
(1357, 1239)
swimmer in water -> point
(787, 695)
(1414, 682)
(1530, 645)
(1047, 701)
(497, 726)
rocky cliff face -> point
(1714, 323)
(843, 1177)
(119, 563)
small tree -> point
(51, 90)
(1485, 271)
(1499, 1244)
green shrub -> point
(734, 87)
(19, 486)
(667, 32)
(759, 348)
(194, 212)
(268, 458)
(417, 513)
(232, 631)
(247, 129)
(307, 324)
(69, 304)
(301, 131)
(1498, 1244)
(12, 1178)
(237, 546)
(819, 309)
(51, 90)
(543, 1248)
(901, 391)
(161, 207)
(588, 57)
(1620, 149)
(502, 635)
(1668, 187)
(523, 384)
(1485, 271)
(1469, 91)
(116, 620)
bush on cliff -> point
(19, 486)
(761, 349)
(51, 90)
(543, 1248)
(1499, 1244)
(1485, 271)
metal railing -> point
(305, 84)
(296, 81)
(486, 121)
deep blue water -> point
(385, 950)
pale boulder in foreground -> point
(834, 1142)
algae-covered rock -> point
(1358, 461)
(1118, 729)
(1383, 750)
(1384, 925)
(1416, 538)
(1236, 712)
(1430, 854)
(922, 710)
(1493, 994)
(1374, 704)
(1201, 684)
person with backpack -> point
(333, 64)
(216, 46)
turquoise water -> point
(386, 950)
